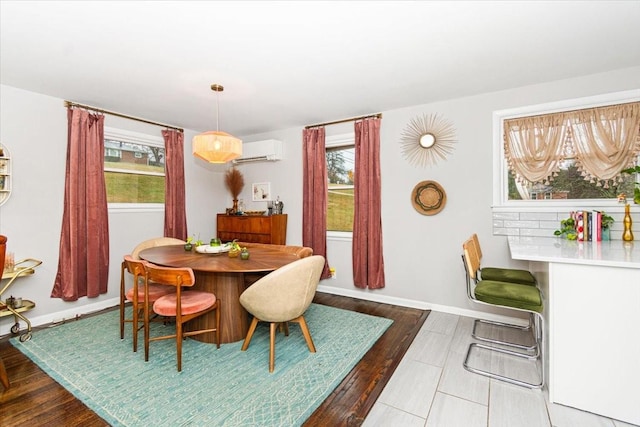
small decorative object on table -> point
(188, 246)
(234, 249)
(244, 254)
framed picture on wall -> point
(261, 191)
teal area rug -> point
(217, 387)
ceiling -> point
(295, 63)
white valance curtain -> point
(602, 140)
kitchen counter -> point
(592, 315)
(614, 253)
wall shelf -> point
(5, 174)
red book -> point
(580, 225)
(597, 225)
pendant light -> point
(215, 146)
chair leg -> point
(498, 376)
(525, 347)
(121, 319)
(136, 314)
(272, 346)
(538, 329)
(252, 329)
(146, 332)
(218, 323)
(305, 332)
(122, 266)
(4, 378)
(179, 339)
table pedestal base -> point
(234, 319)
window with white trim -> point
(565, 174)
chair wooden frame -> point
(178, 278)
(536, 321)
(272, 337)
(135, 267)
(273, 287)
(138, 314)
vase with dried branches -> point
(234, 181)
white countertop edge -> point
(614, 253)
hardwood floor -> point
(35, 399)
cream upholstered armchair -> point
(283, 296)
(155, 242)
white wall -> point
(422, 253)
(33, 127)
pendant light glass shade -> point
(216, 146)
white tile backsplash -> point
(543, 224)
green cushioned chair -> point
(513, 296)
(512, 275)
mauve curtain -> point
(83, 261)
(175, 218)
(368, 262)
(314, 197)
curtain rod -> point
(124, 116)
(353, 119)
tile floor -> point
(431, 388)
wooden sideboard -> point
(254, 229)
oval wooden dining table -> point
(224, 276)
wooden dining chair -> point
(283, 296)
(513, 296)
(183, 305)
(135, 294)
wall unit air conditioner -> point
(268, 150)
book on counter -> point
(589, 226)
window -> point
(560, 177)
(134, 169)
(340, 155)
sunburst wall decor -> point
(427, 139)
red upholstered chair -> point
(135, 294)
(184, 305)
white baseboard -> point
(421, 305)
(71, 313)
(61, 316)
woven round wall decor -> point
(428, 198)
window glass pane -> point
(134, 188)
(134, 172)
(340, 198)
(570, 185)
